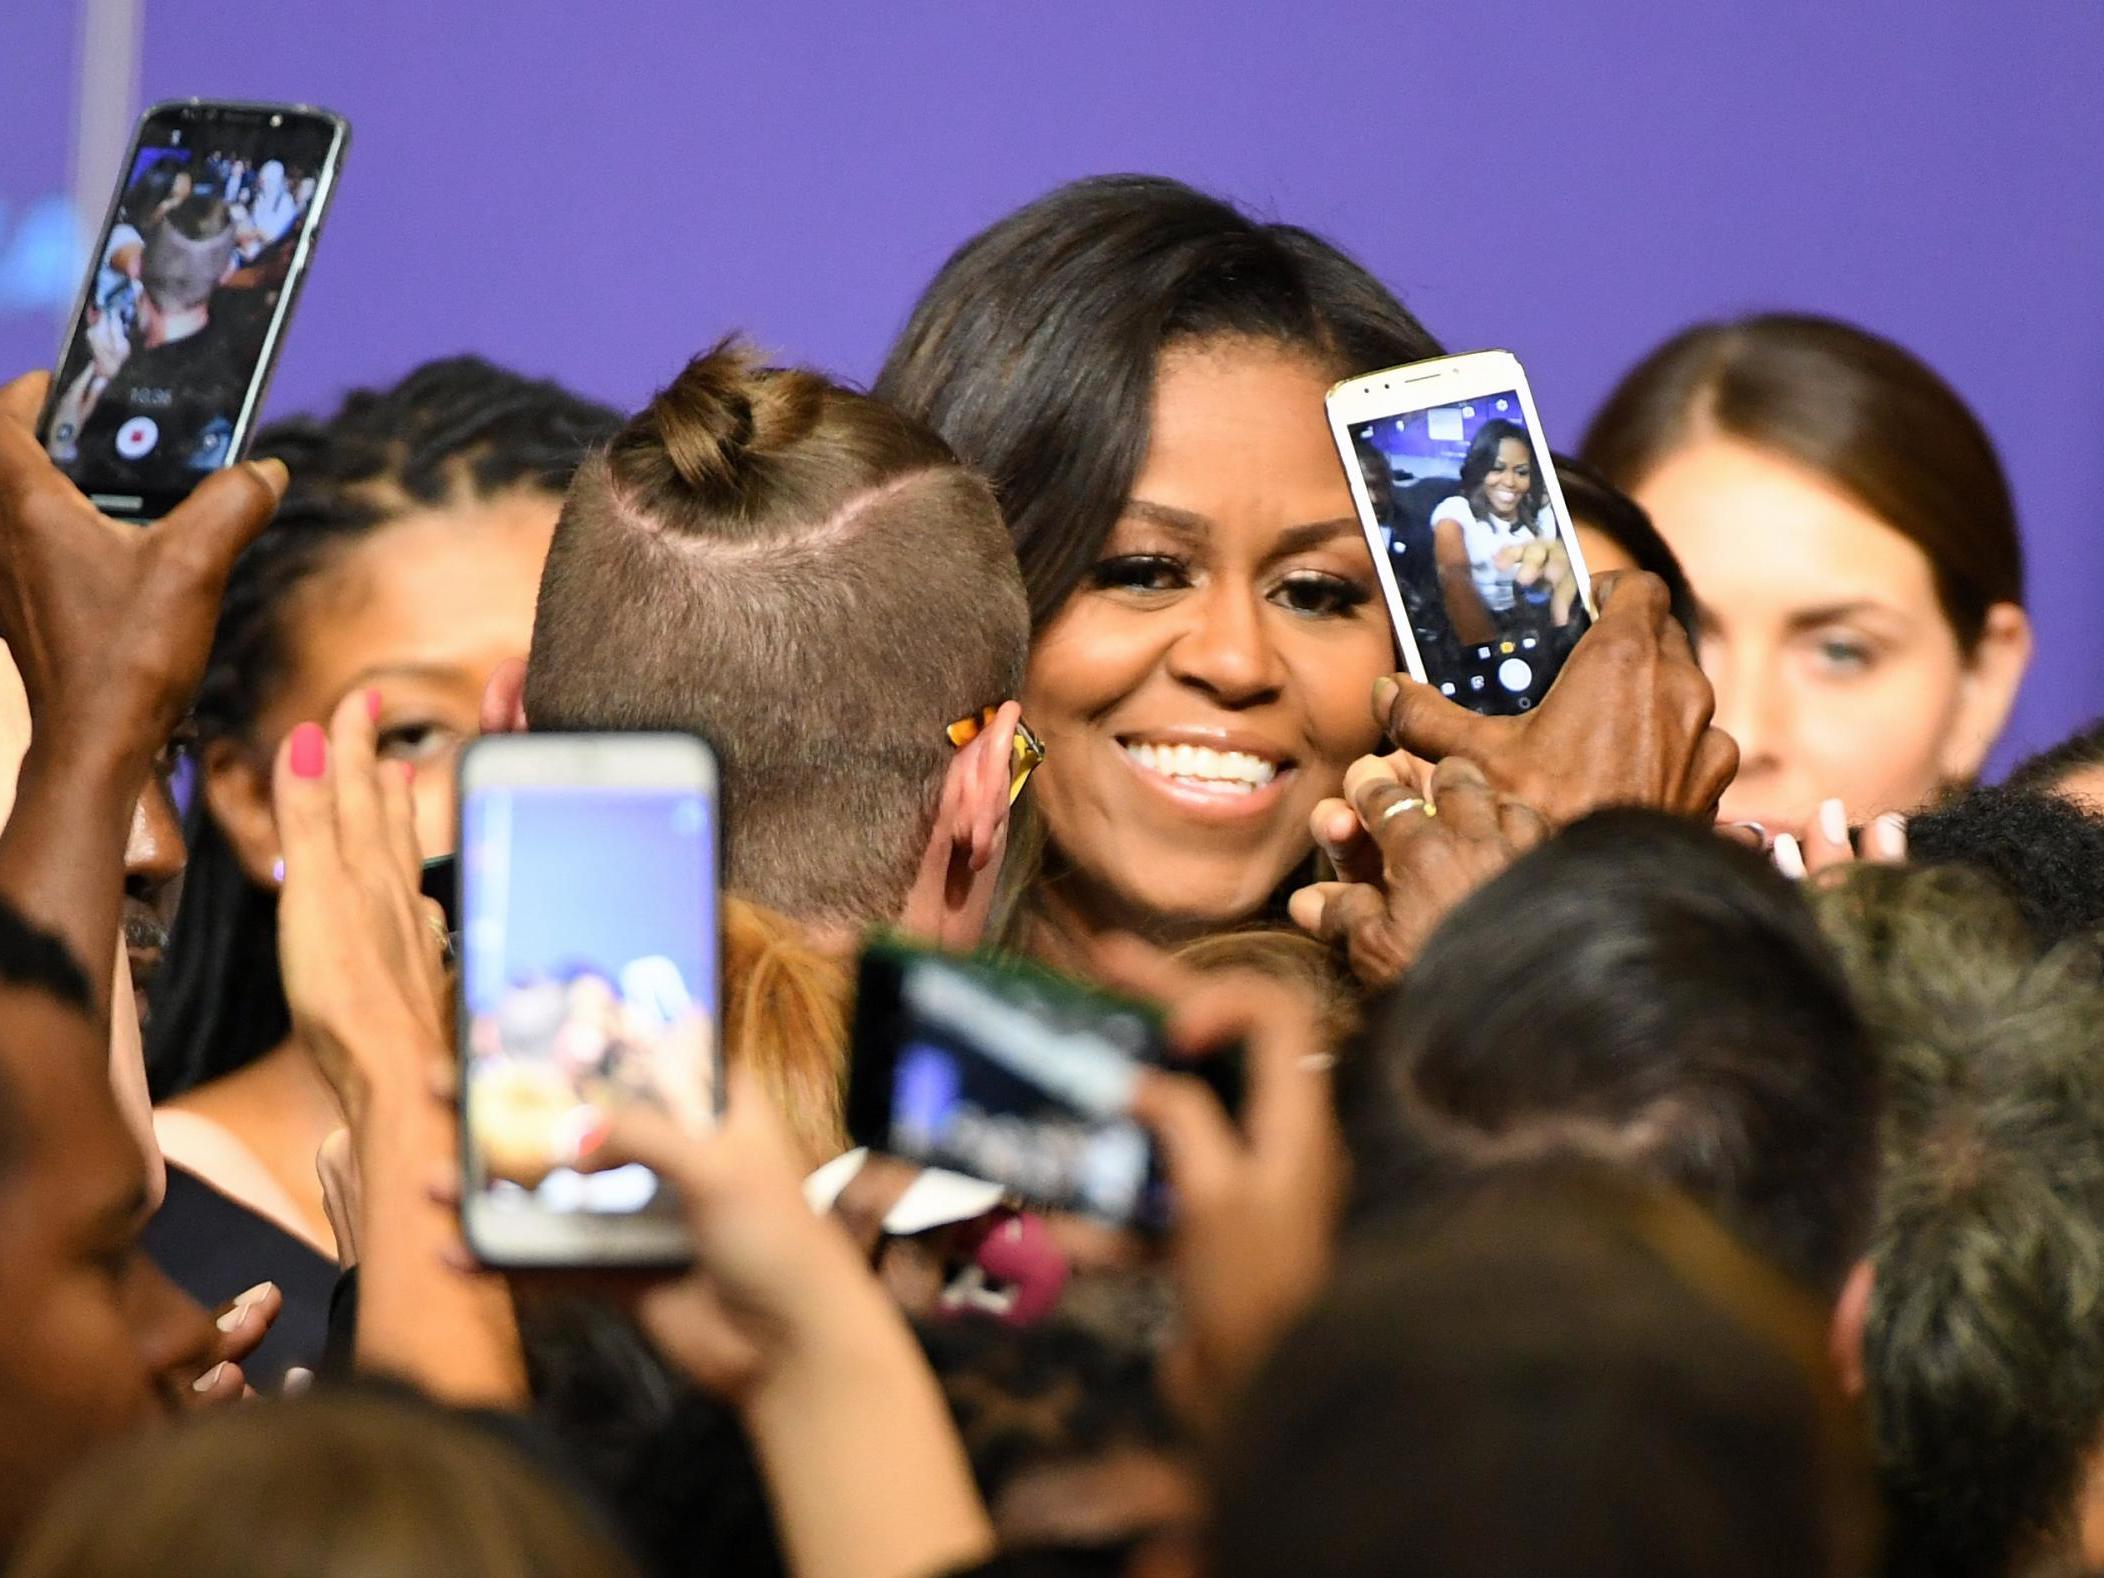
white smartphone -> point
(187, 296)
(1471, 538)
(590, 966)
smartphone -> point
(1451, 477)
(1014, 1075)
(187, 295)
(589, 978)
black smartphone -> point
(187, 295)
(589, 971)
(1012, 1074)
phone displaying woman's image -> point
(1469, 532)
(589, 965)
(186, 299)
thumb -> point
(1423, 722)
(23, 398)
(228, 511)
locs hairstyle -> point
(1033, 351)
(452, 432)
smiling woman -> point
(1139, 370)
(404, 563)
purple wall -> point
(596, 191)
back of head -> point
(2045, 849)
(1642, 990)
(1984, 1351)
(1866, 415)
(334, 1485)
(1033, 351)
(187, 252)
(810, 582)
(1550, 1370)
(2074, 767)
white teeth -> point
(1202, 764)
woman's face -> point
(1211, 679)
(422, 611)
(1834, 667)
(1510, 476)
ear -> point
(504, 698)
(1845, 1336)
(237, 793)
(1987, 691)
(953, 893)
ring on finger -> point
(1396, 808)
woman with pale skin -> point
(1140, 370)
(1851, 542)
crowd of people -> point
(1672, 1140)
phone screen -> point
(188, 287)
(1010, 1075)
(1486, 567)
(588, 980)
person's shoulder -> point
(1454, 507)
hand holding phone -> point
(1471, 539)
(1011, 1074)
(187, 296)
(590, 961)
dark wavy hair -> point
(452, 432)
(1033, 352)
(1482, 459)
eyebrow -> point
(1828, 613)
(1191, 525)
(439, 672)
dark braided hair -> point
(452, 432)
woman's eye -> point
(414, 742)
(1844, 654)
(1140, 572)
(1320, 594)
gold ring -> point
(1409, 802)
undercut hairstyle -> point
(811, 582)
(1865, 415)
(1984, 1352)
(1596, 502)
(2050, 769)
(1640, 990)
(453, 434)
(1033, 352)
(2046, 850)
(1551, 1369)
(187, 253)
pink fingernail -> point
(372, 705)
(310, 751)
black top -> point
(213, 1248)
